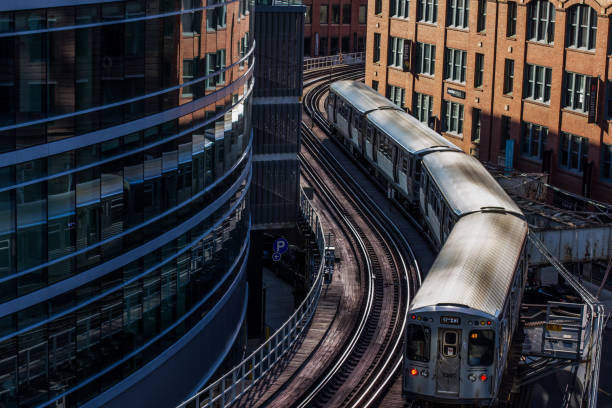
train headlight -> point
(472, 377)
(414, 371)
(483, 377)
(425, 373)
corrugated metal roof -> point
(361, 96)
(476, 264)
(407, 131)
(465, 183)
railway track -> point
(372, 354)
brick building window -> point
(428, 11)
(576, 91)
(363, 12)
(323, 46)
(581, 27)
(400, 8)
(574, 151)
(396, 52)
(508, 76)
(456, 61)
(375, 85)
(396, 94)
(377, 6)
(335, 14)
(541, 21)
(476, 125)
(479, 73)
(457, 13)
(215, 61)
(192, 22)
(481, 23)
(423, 107)
(511, 17)
(346, 13)
(189, 72)
(426, 58)
(606, 162)
(537, 83)
(533, 140)
(308, 14)
(452, 116)
(216, 18)
(376, 47)
(323, 14)
(333, 46)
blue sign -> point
(509, 155)
(280, 245)
(276, 257)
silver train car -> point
(462, 319)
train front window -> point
(481, 346)
(418, 341)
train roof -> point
(360, 96)
(465, 184)
(407, 131)
(476, 264)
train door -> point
(375, 143)
(396, 163)
(449, 362)
(349, 121)
(366, 134)
(335, 101)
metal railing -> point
(235, 383)
(593, 331)
(331, 60)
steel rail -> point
(389, 367)
(332, 201)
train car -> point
(454, 184)
(347, 103)
(395, 143)
(462, 318)
(391, 140)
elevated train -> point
(462, 318)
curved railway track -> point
(372, 354)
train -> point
(462, 319)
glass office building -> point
(125, 165)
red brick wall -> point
(316, 31)
(490, 98)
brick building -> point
(525, 83)
(332, 26)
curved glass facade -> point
(125, 163)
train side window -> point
(417, 342)
(481, 347)
(369, 133)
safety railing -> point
(595, 323)
(331, 60)
(234, 384)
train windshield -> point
(417, 343)
(481, 347)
